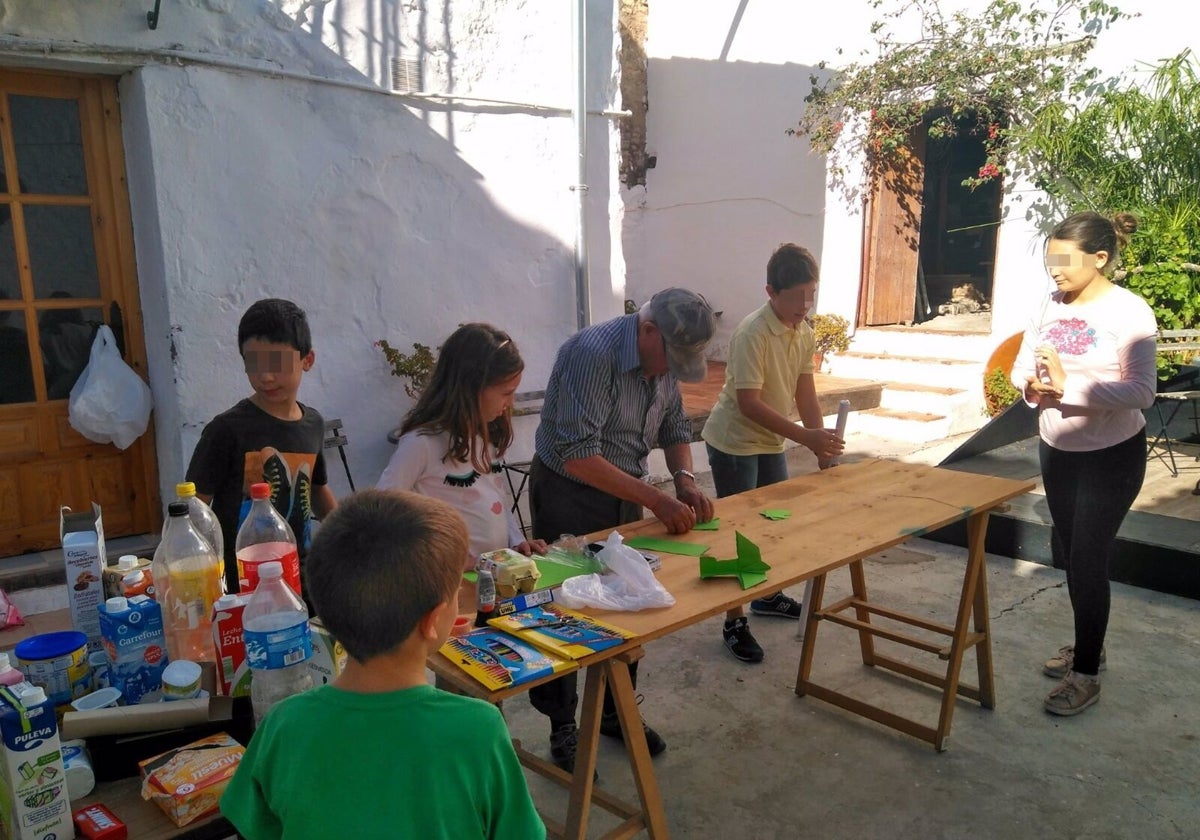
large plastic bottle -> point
(265, 536)
(202, 516)
(188, 580)
(278, 644)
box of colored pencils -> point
(561, 631)
(497, 660)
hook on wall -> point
(152, 16)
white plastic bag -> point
(109, 403)
(628, 585)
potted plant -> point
(832, 333)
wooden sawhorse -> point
(971, 629)
(650, 817)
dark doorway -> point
(958, 230)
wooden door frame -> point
(112, 227)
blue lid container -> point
(50, 645)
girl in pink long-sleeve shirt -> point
(1087, 363)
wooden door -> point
(892, 240)
(66, 266)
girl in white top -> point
(452, 442)
(1087, 363)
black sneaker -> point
(740, 640)
(778, 605)
(610, 725)
(563, 742)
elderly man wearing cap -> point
(613, 395)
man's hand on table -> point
(675, 514)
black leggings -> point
(1089, 494)
(560, 506)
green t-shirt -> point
(766, 355)
(419, 763)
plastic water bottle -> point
(278, 644)
(202, 516)
(188, 579)
(265, 536)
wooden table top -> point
(838, 515)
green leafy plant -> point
(416, 367)
(1134, 148)
(832, 333)
(998, 392)
(989, 73)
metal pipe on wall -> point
(583, 298)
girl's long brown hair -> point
(474, 357)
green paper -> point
(557, 565)
(748, 567)
(470, 577)
(710, 525)
(776, 515)
(666, 546)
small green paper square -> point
(776, 515)
(710, 525)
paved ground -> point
(747, 758)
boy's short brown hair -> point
(791, 265)
(379, 563)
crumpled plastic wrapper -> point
(10, 616)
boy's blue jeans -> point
(738, 473)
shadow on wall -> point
(728, 185)
(351, 204)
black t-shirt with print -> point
(245, 445)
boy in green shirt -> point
(379, 753)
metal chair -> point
(1175, 341)
(335, 436)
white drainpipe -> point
(583, 298)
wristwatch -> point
(687, 473)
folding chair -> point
(517, 490)
(1186, 342)
(335, 436)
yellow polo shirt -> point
(768, 356)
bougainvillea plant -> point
(987, 72)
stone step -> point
(912, 426)
(928, 371)
(963, 407)
(959, 345)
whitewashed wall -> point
(383, 217)
(730, 185)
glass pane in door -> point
(10, 281)
(16, 370)
(65, 336)
(62, 254)
(48, 144)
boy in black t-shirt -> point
(269, 436)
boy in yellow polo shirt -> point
(769, 373)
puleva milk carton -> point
(328, 656)
(83, 553)
(33, 790)
(233, 672)
(132, 631)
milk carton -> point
(132, 631)
(33, 787)
(233, 672)
(83, 553)
(328, 656)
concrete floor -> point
(747, 758)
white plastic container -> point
(278, 641)
(181, 680)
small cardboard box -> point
(33, 782)
(83, 553)
(328, 656)
(187, 782)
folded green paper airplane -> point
(748, 567)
